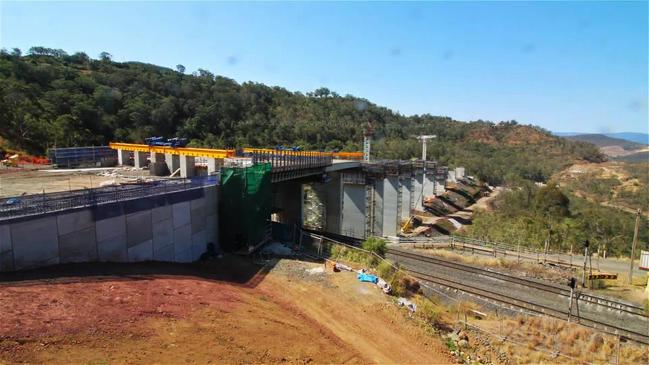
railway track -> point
(547, 287)
(529, 306)
(597, 304)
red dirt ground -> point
(226, 311)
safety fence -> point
(77, 156)
(547, 351)
(26, 205)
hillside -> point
(617, 148)
(615, 184)
(601, 140)
(49, 98)
(642, 138)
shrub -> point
(376, 245)
(385, 270)
(428, 311)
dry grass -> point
(506, 264)
(541, 337)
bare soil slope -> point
(227, 311)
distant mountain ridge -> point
(601, 140)
(616, 148)
(642, 138)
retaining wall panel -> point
(163, 234)
(36, 242)
(141, 252)
(181, 214)
(199, 244)
(107, 211)
(182, 239)
(6, 261)
(110, 228)
(211, 200)
(183, 256)
(75, 221)
(197, 203)
(185, 196)
(137, 205)
(211, 225)
(161, 213)
(198, 219)
(5, 238)
(79, 246)
(138, 228)
(165, 253)
(113, 249)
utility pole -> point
(424, 139)
(635, 241)
(586, 255)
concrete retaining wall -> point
(172, 227)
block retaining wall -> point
(173, 227)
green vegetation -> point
(340, 252)
(529, 215)
(628, 187)
(49, 98)
(375, 244)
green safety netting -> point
(246, 202)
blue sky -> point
(576, 66)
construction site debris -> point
(367, 278)
(342, 267)
(403, 302)
(387, 289)
(107, 183)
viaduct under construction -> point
(230, 200)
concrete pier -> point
(405, 184)
(173, 162)
(158, 166)
(139, 159)
(214, 165)
(122, 157)
(187, 167)
(429, 184)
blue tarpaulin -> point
(367, 278)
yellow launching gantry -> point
(181, 159)
(181, 151)
(220, 153)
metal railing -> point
(291, 160)
(26, 205)
(497, 249)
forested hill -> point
(49, 98)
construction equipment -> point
(11, 161)
(171, 142)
